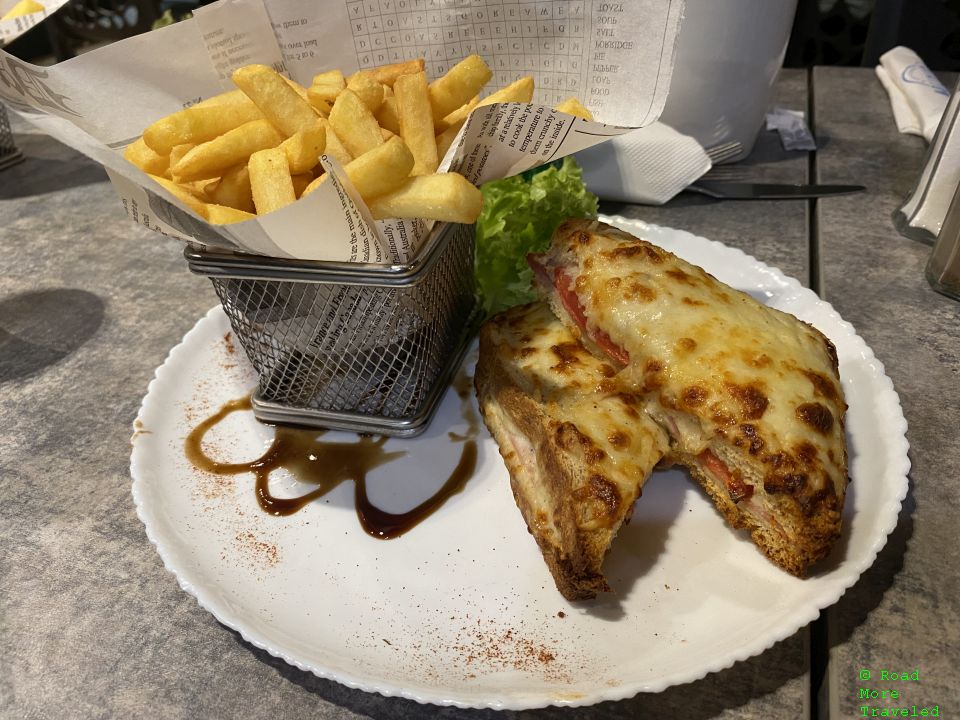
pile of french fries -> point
(256, 149)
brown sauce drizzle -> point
(310, 459)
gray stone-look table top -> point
(91, 625)
(904, 613)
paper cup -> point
(728, 55)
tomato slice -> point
(571, 302)
(563, 284)
(738, 489)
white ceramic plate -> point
(462, 610)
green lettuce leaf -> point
(519, 215)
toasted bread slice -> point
(578, 452)
(750, 396)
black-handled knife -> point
(769, 191)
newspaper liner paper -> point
(100, 102)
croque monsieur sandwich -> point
(744, 396)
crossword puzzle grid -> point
(516, 38)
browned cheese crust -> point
(750, 396)
(577, 452)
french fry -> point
(321, 106)
(446, 138)
(462, 82)
(224, 215)
(270, 180)
(382, 169)
(367, 89)
(233, 190)
(201, 122)
(176, 154)
(448, 197)
(231, 98)
(139, 153)
(300, 182)
(211, 158)
(327, 85)
(416, 120)
(278, 102)
(197, 187)
(207, 186)
(457, 117)
(305, 147)
(183, 195)
(324, 91)
(518, 91)
(297, 87)
(572, 106)
(335, 148)
(354, 124)
(388, 74)
(387, 114)
(314, 185)
(24, 7)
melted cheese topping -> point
(609, 431)
(716, 360)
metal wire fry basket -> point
(9, 154)
(351, 346)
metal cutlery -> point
(768, 191)
(728, 182)
(723, 151)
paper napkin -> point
(648, 166)
(916, 96)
